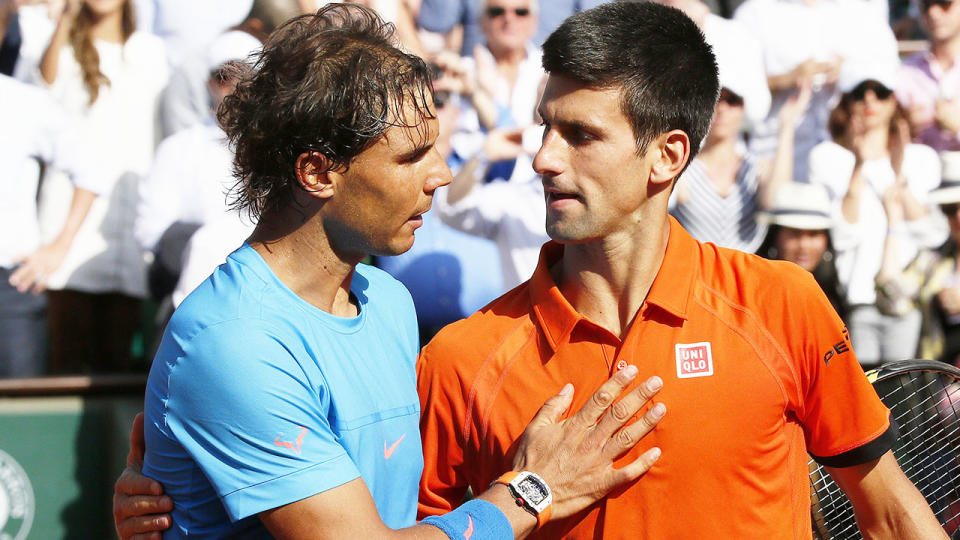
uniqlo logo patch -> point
(694, 360)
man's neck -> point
(509, 57)
(946, 52)
(608, 280)
(302, 258)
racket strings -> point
(926, 408)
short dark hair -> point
(330, 82)
(658, 56)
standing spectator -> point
(871, 152)
(32, 129)
(108, 77)
(932, 280)
(929, 81)
(799, 231)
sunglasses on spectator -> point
(949, 209)
(925, 5)
(860, 91)
(496, 11)
(728, 97)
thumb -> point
(553, 408)
(137, 444)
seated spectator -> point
(107, 76)
(445, 15)
(871, 152)
(718, 196)
(511, 214)
(501, 82)
(928, 84)
(799, 223)
(932, 279)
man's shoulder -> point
(753, 281)
(484, 331)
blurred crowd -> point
(835, 145)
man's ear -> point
(313, 174)
(671, 153)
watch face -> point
(532, 490)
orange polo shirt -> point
(757, 372)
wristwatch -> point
(530, 492)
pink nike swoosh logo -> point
(388, 452)
(469, 532)
(295, 446)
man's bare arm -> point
(886, 502)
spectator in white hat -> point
(799, 224)
(870, 153)
(932, 280)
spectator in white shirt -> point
(870, 154)
(32, 130)
(107, 77)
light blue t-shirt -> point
(257, 399)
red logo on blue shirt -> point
(295, 445)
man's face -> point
(379, 201)
(941, 18)
(508, 24)
(594, 181)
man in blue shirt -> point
(282, 401)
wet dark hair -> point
(658, 56)
(331, 82)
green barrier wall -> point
(59, 458)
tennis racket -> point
(924, 400)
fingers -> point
(634, 469)
(23, 277)
(154, 507)
(143, 527)
(131, 482)
(622, 411)
(629, 436)
(553, 408)
(593, 409)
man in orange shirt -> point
(757, 367)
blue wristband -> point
(476, 519)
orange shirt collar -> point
(671, 289)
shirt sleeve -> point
(246, 411)
(443, 483)
(843, 419)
